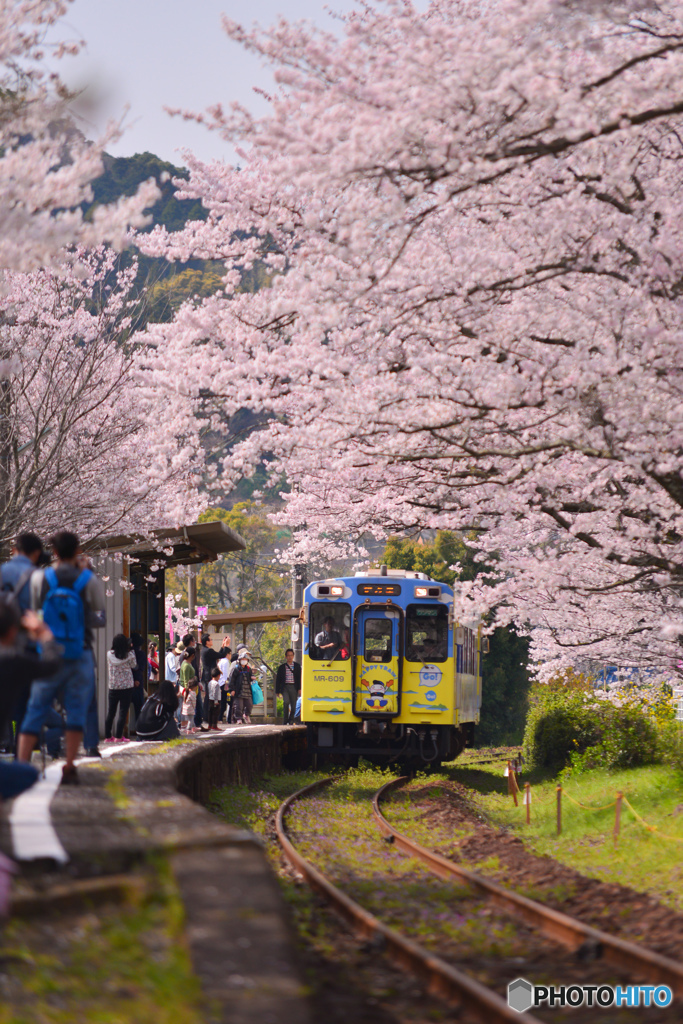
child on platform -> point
(215, 691)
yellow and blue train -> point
(388, 672)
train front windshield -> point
(426, 633)
(330, 632)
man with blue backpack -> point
(72, 601)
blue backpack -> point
(64, 612)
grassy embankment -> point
(642, 859)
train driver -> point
(328, 640)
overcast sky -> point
(147, 54)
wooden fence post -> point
(617, 817)
(513, 788)
(527, 801)
(559, 810)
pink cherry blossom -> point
(469, 220)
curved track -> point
(439, 978)
(565, 930)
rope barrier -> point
(513, 789)
(650, 828)
(587, 807)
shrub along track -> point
(487, 960)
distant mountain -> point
(122, 176)
(163, 286)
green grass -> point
(114, 965)
(641, 859)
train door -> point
(377, 668)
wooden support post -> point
(513, 788)
(527, 801)
(617, 817)
(559, 810)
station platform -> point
(143, 799)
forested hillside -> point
(167, 284)
(162, 286)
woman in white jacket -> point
(121, 661)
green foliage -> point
(505, 689)
(572, 727)
(558, 724)
(433, 558)
(166, 296)
(242, 580)
(245, 580)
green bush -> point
(559, 724)
(568, 727)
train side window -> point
(329, 632)
(426, 633)
(377, 642)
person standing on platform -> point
(208, 660)
(195, 653)
(240, 685)
(189, 687)
(288, 683)
(121, 661)
(214, 695)
(174, 659)
(140, 674)
(226, 700)
(72, 600)
(20, 665)
(15, 578)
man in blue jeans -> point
(67, 589)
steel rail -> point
(440, 978)
(565, 930)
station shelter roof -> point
(193, 544)
(249, 618)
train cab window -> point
(377, 641)
(426, 633)
(329, 633)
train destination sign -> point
(379, 589)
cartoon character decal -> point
(378, 689)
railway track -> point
(561, 928)
(441, 978)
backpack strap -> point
(51, 577)
(23, 580)
(82, 581)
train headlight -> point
(337, 591)
(420, 591)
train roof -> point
(380, 575)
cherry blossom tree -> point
(471, 216)
(72, 442)
(46, 164)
